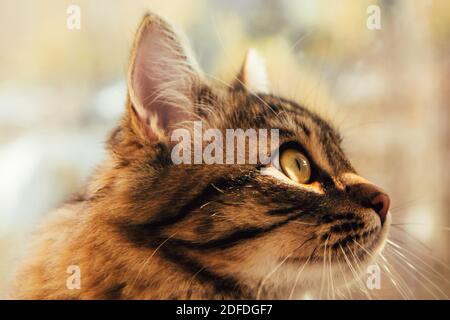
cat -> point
(145, 228)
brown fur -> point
(148, 229)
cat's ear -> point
(161, 78)
(253, 73)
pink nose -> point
(371, 196)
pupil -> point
(299, 163)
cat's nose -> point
(372, 196)
(380, 203)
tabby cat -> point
(146, 228)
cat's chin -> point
(311, 280)
(381, 241)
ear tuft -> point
(253, 73)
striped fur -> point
(145, 228)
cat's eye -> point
(295, 165)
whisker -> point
(297, 42)
(258, 294)
(261, 285)
(438, 261)
(218, 79)
(323, 269)
(191, 280)
(355, 274)
(418, 272)
(331, 276)
(421, 268)
(412, 275)
(305, 223)
(398, 285)
(420, 224)
(345, 281)
(358, 265)
(384, 264)
(204, 205)
(220, 190)
(416, 201)
(146, 261)
(298, 276)
(412, 237)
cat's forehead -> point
(273, 112)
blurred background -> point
(63, 90)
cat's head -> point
(307, 217)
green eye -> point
(295, 165)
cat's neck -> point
(139, 269)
